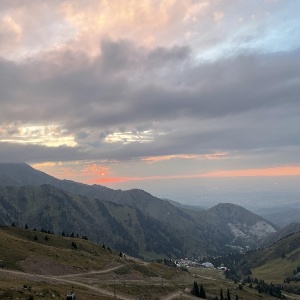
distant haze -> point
(252, 193)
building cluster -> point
(196, 263)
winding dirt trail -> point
(178, 295)
(89, 273)
(35, 277)
(67, 279)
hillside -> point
(272, 270)
(281, 233)
(51, 267)
(123, 227)
(133, 221)
(40, 268)
(29, 251)
(273, 263)
(245, 226)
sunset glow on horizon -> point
(90, 172)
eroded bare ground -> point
(42, 265)
(45, 266)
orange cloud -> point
(94, 169)
(266, 172)
(75, 170)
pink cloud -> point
(264, 172)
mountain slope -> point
(273, 263)
(121, 227)
(132, 221)
(57, 249)
(281, 233)
(245, 226)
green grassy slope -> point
(17, 244)
(279, 260)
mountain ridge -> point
(143, 224)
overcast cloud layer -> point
(122, 91)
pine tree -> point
(195, 290)
(221, 295)
(228, 295)
(202, 292)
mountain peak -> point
(18, 174)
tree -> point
(202, 292)
(35, 238)
(26, 226)
(195, 290)
(221, 295)
(46, 238)
(228, 295)
(74, 245)
(13, 224)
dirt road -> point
(49, 279)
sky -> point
(182, 98)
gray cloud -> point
(242, 102)
(12, 152)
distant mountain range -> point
(132, 221)
(282, 215)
